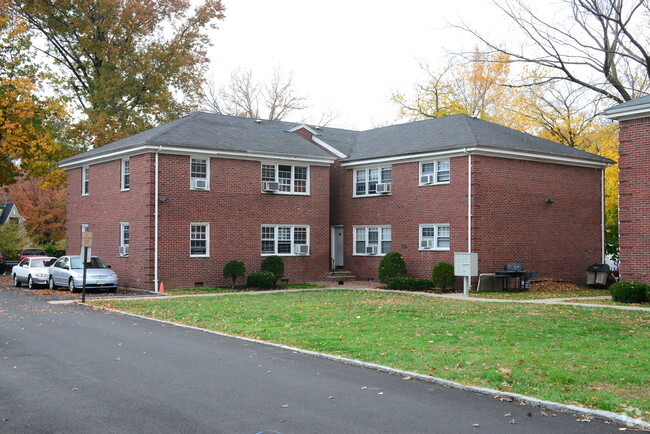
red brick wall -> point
(634, 199)
(513, 223)
(236, 208)
(405, 209)
(103, 210)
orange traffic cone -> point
(161, 288)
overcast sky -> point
(345, 55)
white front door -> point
(337, 247)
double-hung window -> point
(434, 172)
(199, 173)
(199, 239)
(126, 174)
(372, 181)
(285, 240)
(284, 178)
(372, 240)
(435, 236)
(85, 183)
(124, 239)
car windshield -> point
(33, 252)
(45, 262)
(94, 263)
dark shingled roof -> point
(238, 134)
(454, 132)
(6, 210)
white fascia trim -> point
(627, 113)
(477, 150)
(329, 147)
(256, 156)
(307, 127)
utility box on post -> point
(466, 266)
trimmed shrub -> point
(409, 283)
(261, 279)
(391, 265)
(275, 265)
(443, 275)
(233, 270)
(629, 292)
(52, 250)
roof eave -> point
(627, 113)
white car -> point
(68, 271)
(33, 270)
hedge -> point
(409, 283)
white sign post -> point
(86, 243)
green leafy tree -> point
(391, 265)
(127, 64)
(234, 269)
(29, 145)
(13, 238)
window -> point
(199, 239)
(434, 172)
(199, 174)
(372, 240)
(434, 237)
(84, 180)
(290, 179)
(366, 180)
(285, 240)
(126, 174)
(84, 228)
(124, 239)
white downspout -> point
(469, 202)
(155, 226)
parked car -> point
(67, 271)
(2, 263)
(32, 271)
(31, 252)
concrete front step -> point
(339, 275)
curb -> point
(534, 402)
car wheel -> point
(71, 286)
(30, 282)
(16, 282)
(51, 281)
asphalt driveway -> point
(70, 368)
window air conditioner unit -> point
(124, 250)
(426, 179)
(428, 244)
(301, 249)
(371, 250)
(270, 186)
(199, 183)
(383, 188)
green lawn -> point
(595, 357)
(537, 295)
(193, 291)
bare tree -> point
(602, 47)
(243, 96)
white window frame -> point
(84, 227)
(292, 179)
(380, 180)
(435, 172)
(436, 238)
(207, 240)
(125, 238)
(85, 180)
(207, 174)
(292, 239)
(381, 232)
(125, 174)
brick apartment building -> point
(177, 202)
(634, 188)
